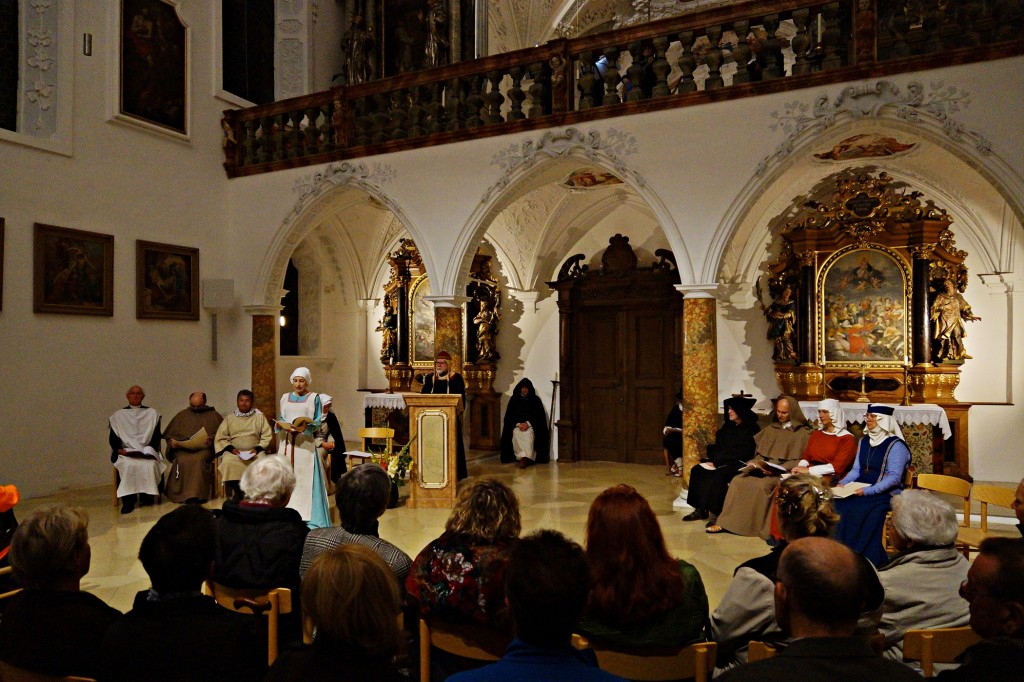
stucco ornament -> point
(363, 175)
(612, 147)
(933, 106)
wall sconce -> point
(282, 320)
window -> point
(247, 49)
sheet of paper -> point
(841, 491)
(197, 441)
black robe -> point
(525, 409)
(673, 440)
(453, 384)
(337, 457)
(734, 443)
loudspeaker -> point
(218, 293)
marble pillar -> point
(700, 376)
(264, 357)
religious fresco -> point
(865, 146)
(865, 308)
(586, 178)
(422, 326)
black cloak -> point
(525, 409)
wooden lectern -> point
(434, 425)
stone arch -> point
(881, 105)
(318, 191)
(530, 164)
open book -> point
(146, 452)
(765, 467)
(197, 441)
(841, 491)
(299, 424)
(359, 453)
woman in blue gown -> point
(882, 459)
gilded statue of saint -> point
(949, 312)
(388, 327)
(486, 328)
(781, 324)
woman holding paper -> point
(882, 459)
(298, 422)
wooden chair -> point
(760, 651)
(941, 645)
(368, 434)
(7, 570)
(948, 485)
(969, 538)
(274, 603)
(655, 665)
(461, 639)
(10, 673)
(908, 482)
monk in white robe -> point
(135, 451)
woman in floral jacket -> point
(460, 576)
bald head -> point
(822, 583)
(197, 399)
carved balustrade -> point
(737, 50)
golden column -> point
(264, 356)
(700, 373)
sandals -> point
(714, 529)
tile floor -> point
(554, 496)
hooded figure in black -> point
(524, 407)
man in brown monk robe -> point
(190, 475)
(748, 504)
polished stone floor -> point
(554, 496)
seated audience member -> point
(734, 444)
(362, 497)
(746, 610)
(1018, 506)
(640, 595)
(173, 631)
(9, 497)
(243, 433)
(189, 476)
(135, 451)
(995, 591)
(817, 604)
(748, 503)
(922, 581)
(52, 627)
(330, 440)
(259, 539)
(524, 432)
(351, 598)
(831, 447)
(547, 584)
(460, 576)
(881, 462)
(672, 436)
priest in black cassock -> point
(443, 380)
(524, 434)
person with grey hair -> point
(362, 496)
(260, 539)
(922, 581)
(51, 627)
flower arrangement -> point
(397, 465)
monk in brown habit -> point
(748, 504)
(189, 477)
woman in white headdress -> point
(298, 423)
(882, 459)
(831, 448)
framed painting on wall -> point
(864, 294)
(166, 282)
(73, 271)
(421, 338)
(153, 65)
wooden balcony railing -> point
(734, 51)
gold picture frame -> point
(421, 324)
(864, 315)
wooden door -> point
(626, 386)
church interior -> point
(689, 221)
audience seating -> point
(461, 639)
(759, 651)
(969, 537)
(7, 570)
(656, 665)
(273, 602)
(941, 645)
(9, 673)
(908, 482)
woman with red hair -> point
(640, 595)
